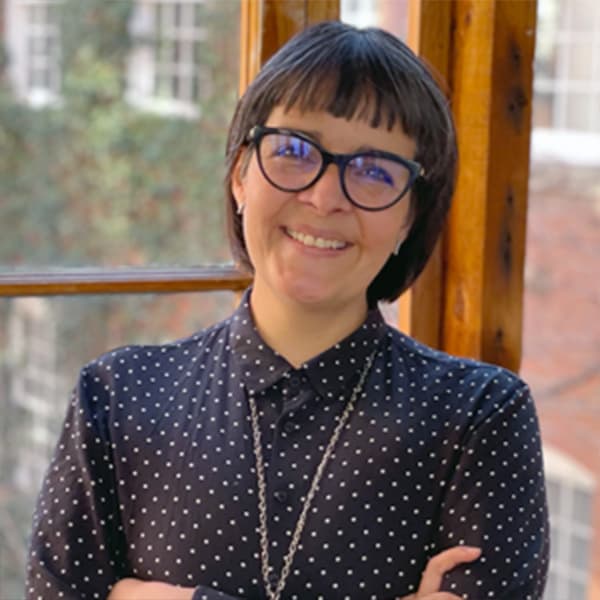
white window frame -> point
(563, 87)
(145, 67)
(569, 477)
(32, 360)
(19, 31)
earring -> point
(397, 248)
(240, 208)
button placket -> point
(289, 427)
(281, 496)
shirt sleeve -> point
(206, 593)
(77, 547)
(496, 500)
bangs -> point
(352, 81)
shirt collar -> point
(332, 373)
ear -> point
(237, 180)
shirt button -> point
(289, 427)
(280, 495)
(294, 381)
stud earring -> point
(397, 248)
(240, 208)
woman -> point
(302, 448)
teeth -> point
(315, 242)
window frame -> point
(146, 65)
(18, 35)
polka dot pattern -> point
(153, 476)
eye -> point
(292, 147)
(369, 169)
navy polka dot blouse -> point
(154, 473)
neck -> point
(300, 332)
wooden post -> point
(267, 24)
(429, 34)
(490, 48)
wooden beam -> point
(267, 24)
(429, 35)
(491, 75)
(122, 281)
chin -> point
(325, 298)
(308, 297)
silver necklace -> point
(274, 591)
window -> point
(115, 194)
(165, 72)
(33, 38)
(360, 13)
(570, 496)
(567, 82)
(166, 68)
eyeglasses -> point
(372, 180)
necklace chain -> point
(274, 592)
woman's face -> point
(282, 229)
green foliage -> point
(95, 181)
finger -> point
(440, 564)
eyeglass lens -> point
(292, 163)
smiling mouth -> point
(315, 242)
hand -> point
(136, 589)
(437, 567)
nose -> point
(326, 194)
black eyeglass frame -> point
(414, 168)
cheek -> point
(384, 230)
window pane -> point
(553, 491)
(45, 342)
(580, 63)
(582, 13)
(105, 178)
(556, 543)
(577, 591)
(392, 16)
(543, 108)
(580, 552)
(551, 592)
(582, 507)
(579, 111)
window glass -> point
(44, 344)
(580, 552)
(561, 331)
(582, 506)
(566, 64)
(124, 166)
(392, 16)
(576, 589)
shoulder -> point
(176, 350)
(481, 388)
(129, 367)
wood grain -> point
(429, 35)
(122, 281)
(492, 73)
(469, 299)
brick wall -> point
(561, 353)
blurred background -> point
(112, 124)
